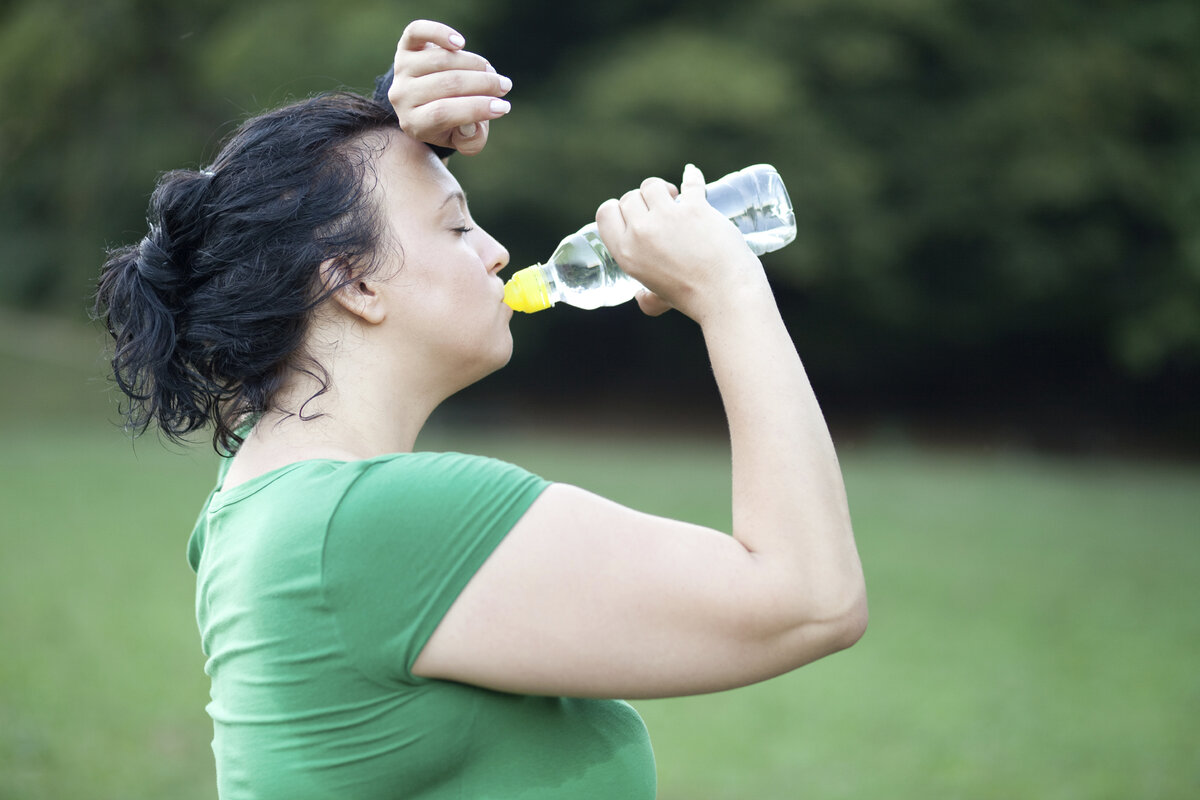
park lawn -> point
(1034, 630)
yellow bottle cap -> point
(526, 290)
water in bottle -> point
(581, 272)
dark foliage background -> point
(998, 202)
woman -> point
(381, 623)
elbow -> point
(852, 623)
(843, 609)
(821, 632)
(838, 625)
(816, 629)
(813, 617)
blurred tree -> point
(992, 198)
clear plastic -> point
(581, 272)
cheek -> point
(455, 298)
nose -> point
(494, 254)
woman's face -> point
(444, 280)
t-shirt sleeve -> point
(406, 539)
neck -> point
(375, 404)
(341, 423)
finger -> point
(420, 32)
(692, 184)
(438, 59)
(633, 205)
(441, 85)
(451, 113)
(651, 304)
(656, 191)
(610, 222)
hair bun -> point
(154, 262)
(210, 311)
(383, 85)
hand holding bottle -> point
(443, 94)
(582, 272)
(684, 251)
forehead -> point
(411, 176)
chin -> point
(495, 360)
(502, 359)
(504, 352)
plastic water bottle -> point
(581, 272)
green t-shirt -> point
(317, 586)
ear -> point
(359, 296)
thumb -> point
(692, 183)
(651, 304)
(469, 139)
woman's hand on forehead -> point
(443, 94)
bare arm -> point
(587, 597)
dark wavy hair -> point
(209, 311)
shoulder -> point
(438, 470)
(439, 482)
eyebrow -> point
(455, 195)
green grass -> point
(1034, 628)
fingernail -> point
(467, 130)
(500, 106)
(505, 83)
(457, 40)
